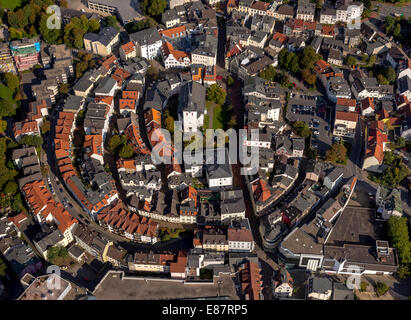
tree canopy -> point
(126, 151)
(139, 25)
(216, 94)
(153, 8)
(337, 153)
(399, 238)
(302, 129)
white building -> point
(148, 43)
(191, 106)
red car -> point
(219, 78)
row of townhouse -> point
(117, 219)
(187, 206)
(237, 238)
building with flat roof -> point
(126, 10)
(47, 287)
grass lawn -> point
(217, 118)
(206, 121)
(10, 4)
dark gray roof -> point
(192, 97)
(146, 37)
(320, 284)
(105, 85)
(50, 240)
(105, 36)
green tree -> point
(302, 129)
(64, 89)
(390, 74)
(308, 58)
(337, 153)
(284, 58)
(94, 25)
(382, 288)
(126, 151)
(403, 271)
(30, 140)
(400, 143)
(153, 7)
(139, 25)
(216, 94)
(7, 108)
(12, 81)
(268, 73)
(294, 64)
(350, 61)
(114, 143)
(397, 30)
(169, 124)
(111, 21)
(10, 188)
(3, 268)
(230, 80)
(399, 238)
(52, 36)
(389, 24)
(56, 251)
(308, 77)
(3, 126)
(382, 80)
(363, 286)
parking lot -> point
(313, 111)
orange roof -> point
(109, 62)
(180, 265)
(37, 195)
(122, 73)
(346, 102)
(346, 116)
(25, 127)
(128, 164)
(280, 37)
(104, 99)
(93, 143)
(260, 190)
(60, 153)
(127, 104)
(177, 54)
(153, 115)
(328, 30)
(128, 48)
(197, 74)
(130, 94)
(259, 5)
(321, 66)
(18, 219)
(234, 50)
(173, 32)
(367, 102)
(251, 280)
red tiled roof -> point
(259, 5)
(346, 116)
(366, 103)
(173, 32)
(346, 102)
(128, 48)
